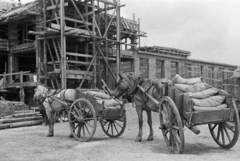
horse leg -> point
(140, 123)
(44, 115)
(149, 117)
(51, 124)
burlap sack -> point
(190, 81)
(203, 94)
(220, 107)
(110, 102)
(208, 102)
(98, 94)
(198, 87)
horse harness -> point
(135, 88)
(55, 92)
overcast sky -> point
(209, 29)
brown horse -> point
(129, 83)
(52, 106)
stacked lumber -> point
(21, 119)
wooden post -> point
(118, 40)
(44, 41)
(10, 62)
(106, 46)
(21, 92)
(93, 48)
(63, 47)
(37, 60)
(4, 80)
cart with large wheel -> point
(92, 106)
(176, 110)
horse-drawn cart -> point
(183, 102)
(176, 110)
(85, 108)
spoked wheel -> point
(226, 134)
(171, 125)
(82, 120)
(114, 128)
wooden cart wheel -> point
(82, 120)
(226, 134)
(114, 127)
(171, 125)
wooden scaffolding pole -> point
(93, 47)
(118, 39)
(44, 41)
(106, 45)
(63, 47)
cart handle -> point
(156, 102)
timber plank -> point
(76, 72)
(79, 54)
(54, 6)
(26, 123)
(72, 30)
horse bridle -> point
(134, 89)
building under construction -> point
(76, 43)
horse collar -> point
(139, 82)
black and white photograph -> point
(119, 80)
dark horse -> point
(129, 82)
(51, 105)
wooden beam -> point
(118, 39)
(76, 20)
(71, 30)
(14, 73)
(87, 14)
(107, 2)
(78, 62)
(78, 72)
(73, 76)
(54, 6)
(79, 54)
(63, 46)
(109, 8)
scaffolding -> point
(75, 38)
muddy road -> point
(31, 144)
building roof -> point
(166, 51)
(19, 11)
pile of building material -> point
(9, 107)
(17, 114)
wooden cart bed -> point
(194, 117)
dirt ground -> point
(31, 144)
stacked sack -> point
(203, 95)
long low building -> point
(164, 62)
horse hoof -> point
(138, 139)
(49, 135)
(150, 138)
